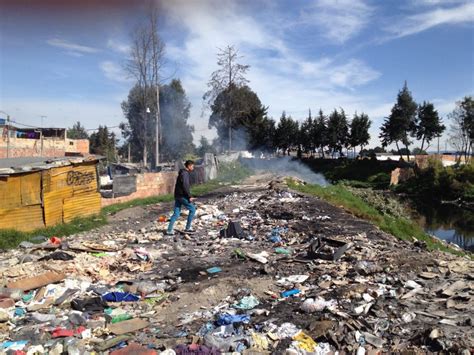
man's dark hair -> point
(188, 163)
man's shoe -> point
(189, 231)
(170, 233)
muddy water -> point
(449, 223)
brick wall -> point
(23, 147)
(148, 184)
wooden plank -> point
(32, 283)
(128, 326)
(30, 189)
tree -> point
(144, 64)
(337, 131)
(230, 74)
(462, 127)
(418, 151)
(224, 86)
(359, 134)
(286, 134)
(401, 123)
(306, 134)
(138, 129)
(103, 143)
(204, 147)
(260, 132)
(177, 134)
(428, 125)
(319, 133)
(77, 131)
(236, 114)
(177, 138)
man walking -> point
(182, 197)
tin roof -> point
(24, 164)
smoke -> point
(286, 166)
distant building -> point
(38, 142)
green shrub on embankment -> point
(441, 183)
(402, 228)
(358, 173)
(228, 173)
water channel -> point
(448, 222)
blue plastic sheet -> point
(120, 297)
(226, 318)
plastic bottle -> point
(120, 318)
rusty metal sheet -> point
(70, 192)
(81, 205)
(53, 208)
(79, 178)
(30, 189)
(26, 218)
(10, 192)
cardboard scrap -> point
(6, 302)
(32, 283)
(134, 349)
(107, 344)
(128, 326)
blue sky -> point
(64, 60)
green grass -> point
(401, 228)
(229, 173)
(11, 238)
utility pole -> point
(145, 150)
(41, 133)
(8, 136)
(230, 134)
(129, 152)
(157, 127)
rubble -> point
(292, 275)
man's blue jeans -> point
(178, 203)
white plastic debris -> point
(408, 317)
(260, 257)
(287, 330)
(318, 304)
(289, 280)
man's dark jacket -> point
(182, 188)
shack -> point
(38, 192)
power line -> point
(95, 129)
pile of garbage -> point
(268, 271)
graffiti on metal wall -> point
(78, 178)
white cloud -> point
(71, 47)
(118, 46)
(339, 20)
(436, 2)
(113, 71)
(420, 22)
